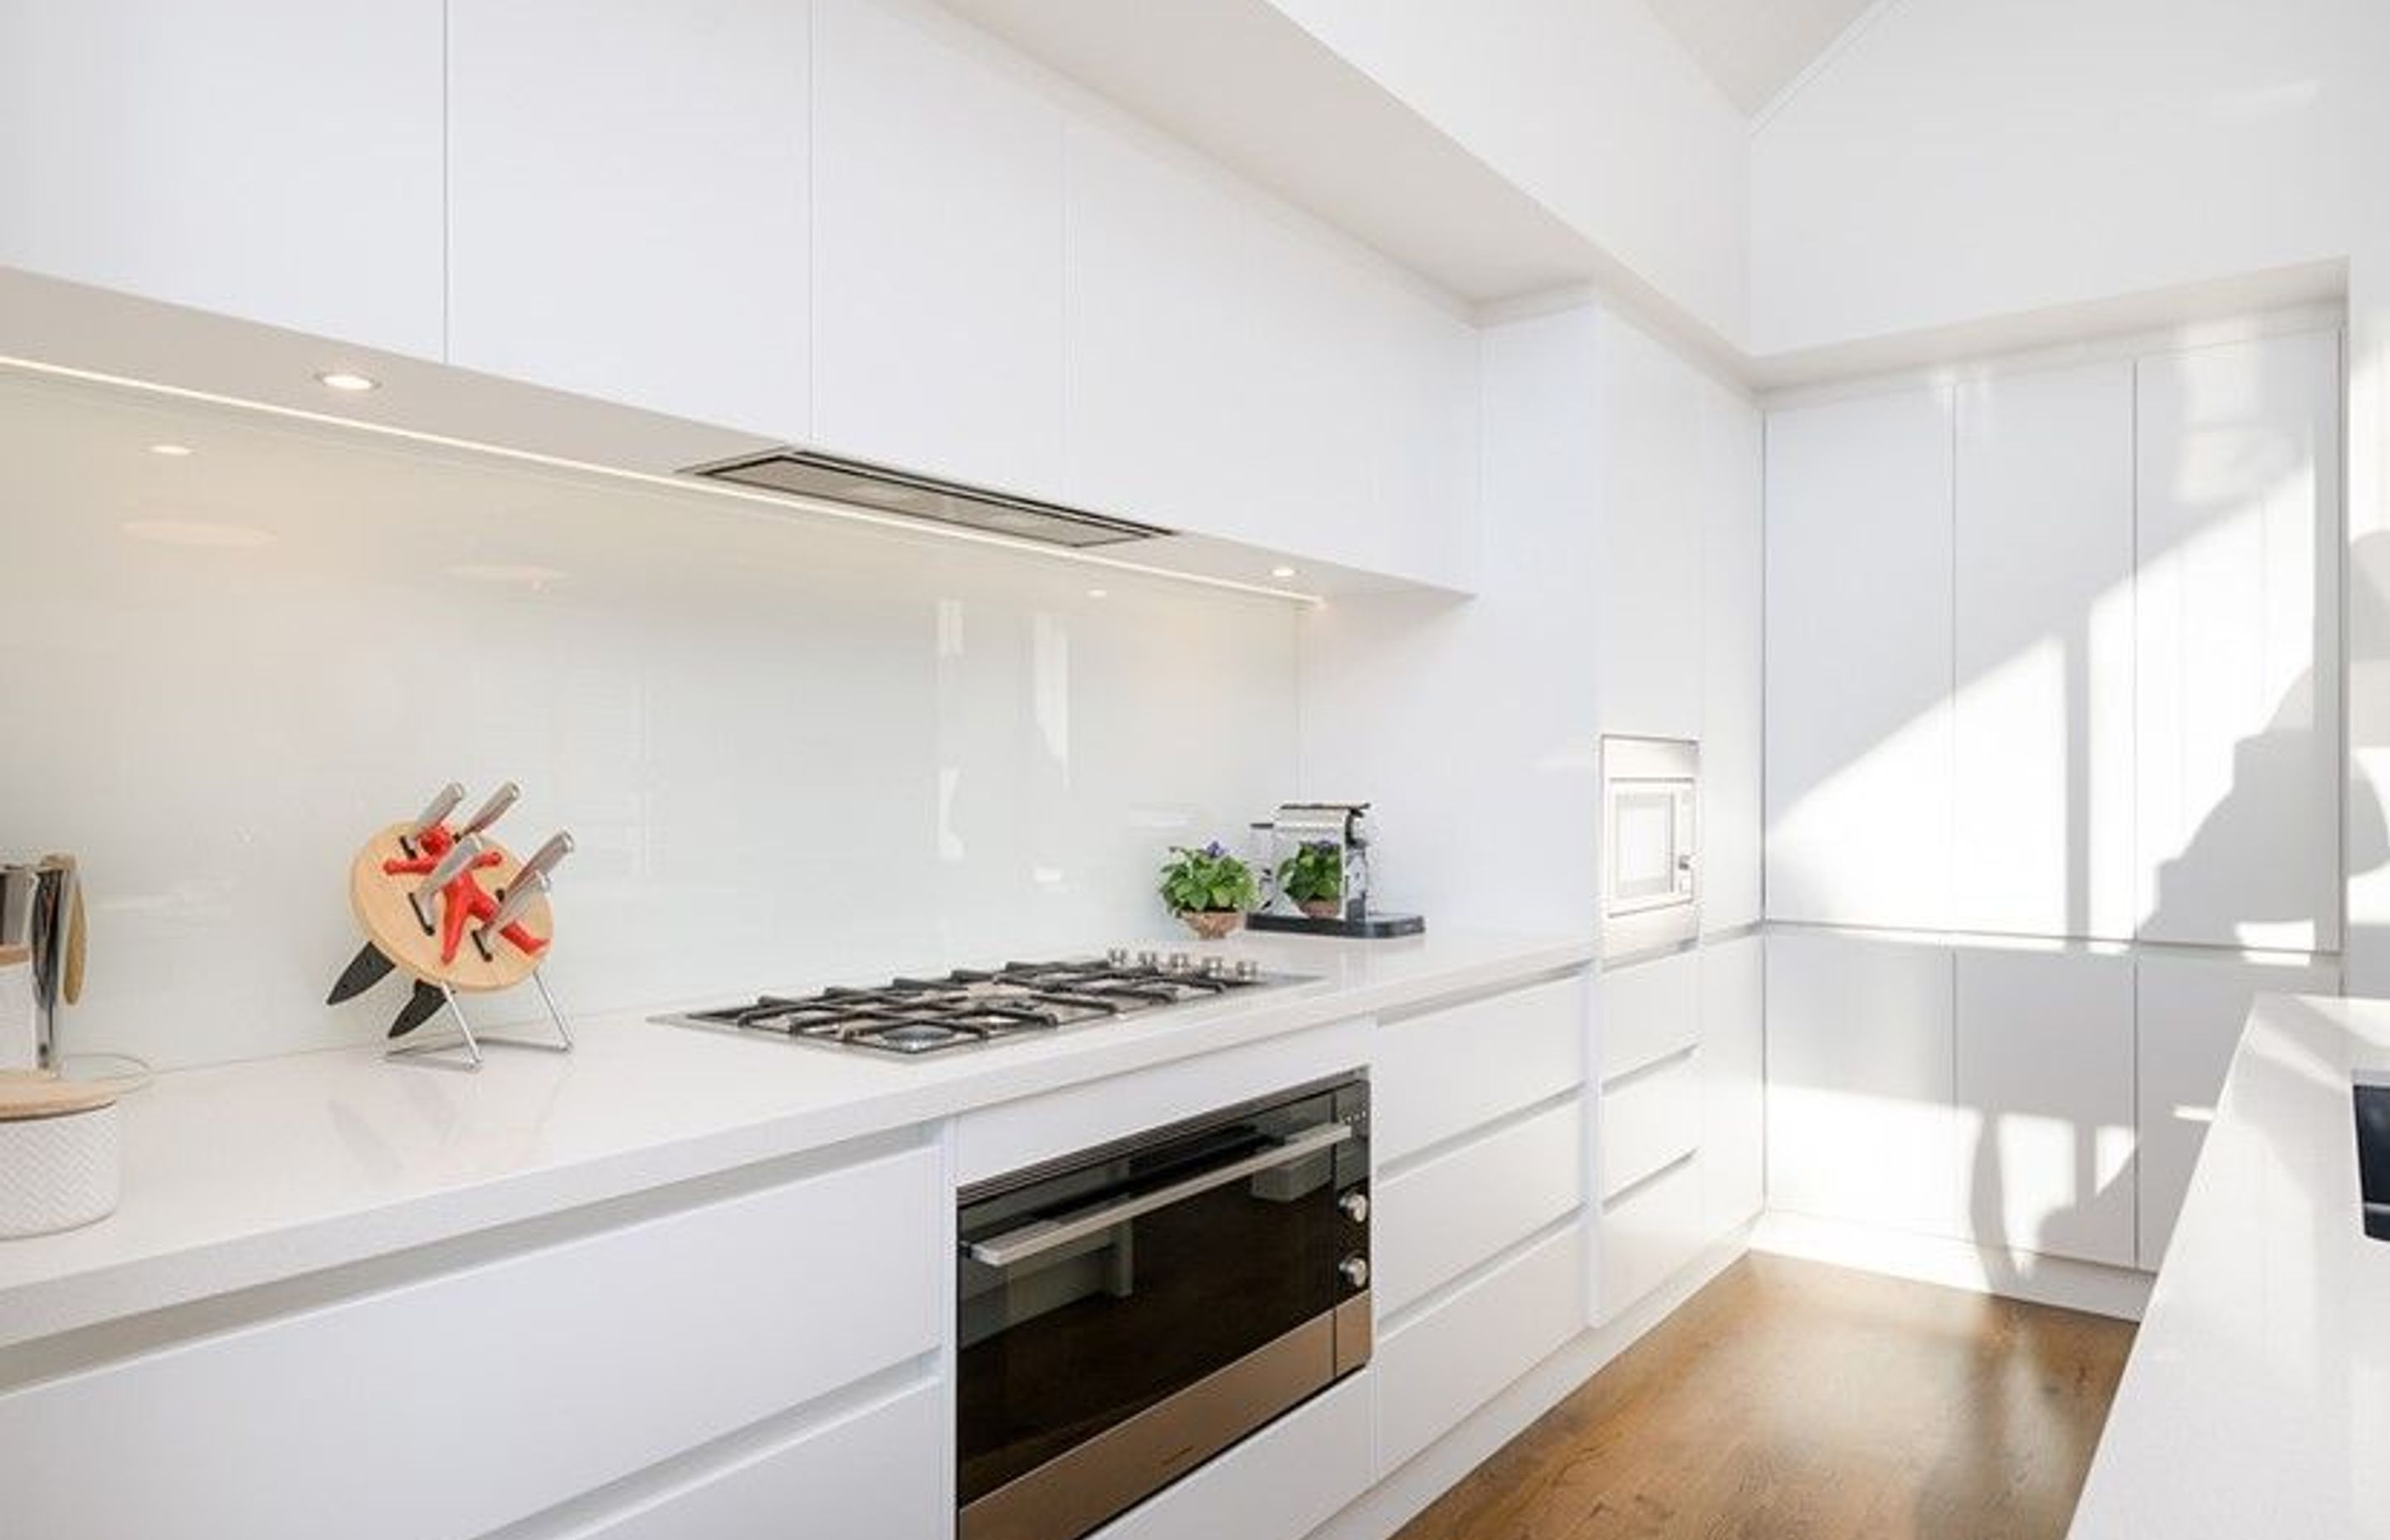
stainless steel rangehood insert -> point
(904, 494)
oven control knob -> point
(1356, 1205)
(1356, 1271)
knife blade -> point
(420, 1007)
(365, 971)
(492, 810)
(434, 813)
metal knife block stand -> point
(1346, 827)
(457, 914)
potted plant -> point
(1209, 889)
(1313, 878)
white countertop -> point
(246, 1174)
(2257, 1402)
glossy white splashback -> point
(790, 752)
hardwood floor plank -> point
(1791, 1401)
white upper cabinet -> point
(1859, 741)
(2045, 1091)
(2043, 712)
(1654, 506)
(1232, 370)
(2239, 633)
(628, 203)
(937, 210)
(274, 160)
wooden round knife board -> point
(389, 920)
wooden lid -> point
(40, 1093)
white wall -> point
(1591, 106)
(1960, 159)
(791, 753)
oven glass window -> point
(1058, 1346)
(1642, 843)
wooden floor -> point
(1790, 1401)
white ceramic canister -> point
(60, 1157)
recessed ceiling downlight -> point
(1282, 572)
(172, 451)
(344, 379)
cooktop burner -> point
(975, 1006)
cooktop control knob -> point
(1148, 960)
(1181, 963)
(1356, 1271)
(1247, 969)
(1212, 966)
(1356, 1205)
(1117, 956)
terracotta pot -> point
(1321, 908)
(1212, 924)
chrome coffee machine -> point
(1312, 860)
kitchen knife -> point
(433, 816)
(491, 810)
(543, 860)
(528, 885)
(365, 971)
(420, 1007)
(452, 866)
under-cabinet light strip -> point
(756, 501)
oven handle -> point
(1029, 1240)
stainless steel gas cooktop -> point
(970, 1007)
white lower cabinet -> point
(2044, 1075)
(1437, 1076)
(1734, 1095)
(1651, 1010)
(1444, 1363)
(1284, 1482)
(1438, 1219)
(1862, 1123)
(2191, 1011)
(861, 1475)
(1649, 1121)
(465, 1400)
(1649, 1231)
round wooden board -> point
(40, 1093)
(388, 921)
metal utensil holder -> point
(463, 1051)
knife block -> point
(380, 903)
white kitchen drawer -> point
(858, 1475)
(1651, 1010)
(1649, 1121)
(452, 1405)
(1437, 1220)
(1285, 1480)
(1444, 1363)
(1649, 1233)
(1441, 1073)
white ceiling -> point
(1754, 48)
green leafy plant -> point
(1315, 873)
(1206, 880)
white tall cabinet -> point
(274, 160)
(2042, 712)
(1859, 742)
(2239, 641)
(628, 208)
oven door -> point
(1129, 1315)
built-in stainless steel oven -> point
(1131, 1310)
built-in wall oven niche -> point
(1651, 888)
(1130, 1311)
